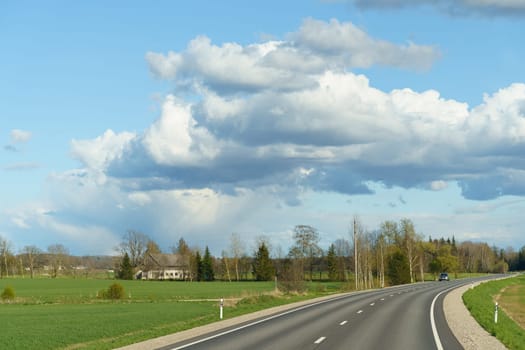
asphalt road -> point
(392, 318)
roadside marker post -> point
(496, 313)
(222, 305)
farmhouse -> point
(159, 266)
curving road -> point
(404, 317)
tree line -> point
(53, 261)
(392, 254)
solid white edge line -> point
(433, 322)
(320, 340)
(257, 322)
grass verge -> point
(480, 301)
(66, 314)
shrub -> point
(8, 293)
(114, 292)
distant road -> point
(393, 318)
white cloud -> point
(349, 131)
(176, 138)
(141, 198)
(285, 65)
(438, 185)
(20, 136)
(100, 152)
(346, 45)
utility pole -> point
(355, 255)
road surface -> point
(404, 317)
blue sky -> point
(199, 119)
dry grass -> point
(512, 301)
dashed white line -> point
(320, 340)
(382, 299)
(360, 311)
(343, 323)
(372, 304)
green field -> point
(66, 313)
(481, 303)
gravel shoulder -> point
(464, 327)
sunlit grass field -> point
(481, 303)
(66, 313)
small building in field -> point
(158, 266)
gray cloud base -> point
(511, 8)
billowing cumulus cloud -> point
(286, 65)
(455, 7)
(279, 117)
(344, 131)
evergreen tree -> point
(398, 269)
(263, 268)
(126, 270)
(207, 266)
(331, 262)
(199, 266)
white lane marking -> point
(372, 304)
(360, 311)
(382, 299)
(343, 323)
(391, 295)
(320, 340)
(258, 322)
(433, 322)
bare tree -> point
(57, 258)
(342, 252)
(356, 238)
(31, 254)
(410, 240)
(225, 261)
(237, 249)
(135, 244)
(306, 246)
(380, 251)
(5, 252)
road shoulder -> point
(464, 327)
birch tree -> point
(410, 245)
(237, 249)
(5, 252)
(31, 253)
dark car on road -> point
(443, 276)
